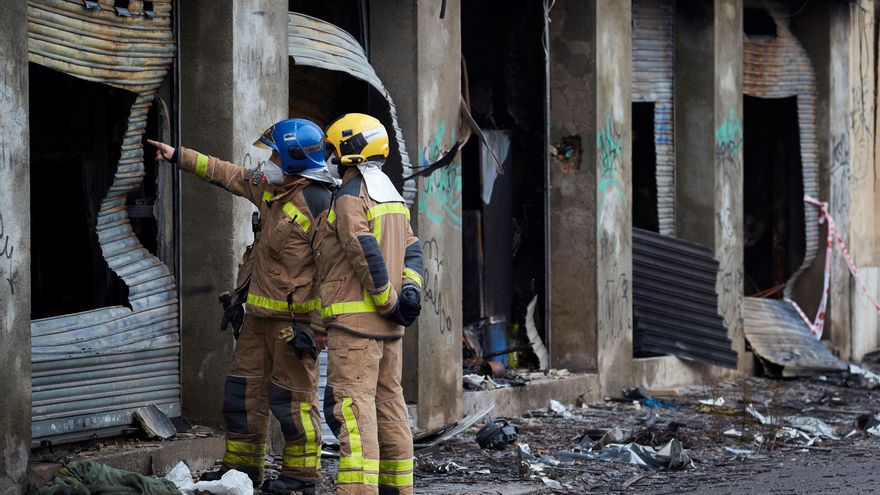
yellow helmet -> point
(357, 138)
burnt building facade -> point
(627, 192)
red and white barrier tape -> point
(818, 324)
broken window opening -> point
(644, 171)
(503, 246)
(773, 207)
(141, 202)
(77, 129)
(758, 24)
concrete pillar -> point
(15, 262)
(419, 60)
(234, 82)
(591, 221)
(573, 187)
(709, 167)
(853, 320)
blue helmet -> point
(298, 142)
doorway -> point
(773, 191)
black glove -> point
(303, 343)
(410, 298)
(233, 313)
(408, 306)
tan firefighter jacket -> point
(281, 265)
(364, 252)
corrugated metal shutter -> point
(315, 43)
(675, 306)
(653, 57)
(781, 68)
(91, 369)
(779, 336)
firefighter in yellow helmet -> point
(371, 270)
(292, 193)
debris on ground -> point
(752, 433)
(430, 465)
(670, 456)
(430, 441)
(496, 434)
(85, 477)
(233, 482)
(862, 378)
(154, 422)
(476, 382)
(560, 409)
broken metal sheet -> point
(781, 68)
(675, 304)
(779, 336)
(445, 435)
(92, 369)
(154, 422)
(653, 57)
(315, 43)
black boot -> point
(255, 474)
(285, 485)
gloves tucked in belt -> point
(301, 341)
(408, 306)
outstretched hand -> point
(163, 151)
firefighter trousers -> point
(266, 374)
(364, 406)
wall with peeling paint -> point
(15, 387)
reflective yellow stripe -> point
(401, 465)
(305, 414)
(342, 308)
(358, 463)
(331, 217)
(246, 448)
(243, 460)
(294, 213)
(386, 209)
(354, 434)
(276, 305)
(377, 229)
(302, 462)
(382, 297)
(201, 165)
(356, 460)
(396, 480)
(358, 477)
(413, 275)
(310, 305)
(267, 196)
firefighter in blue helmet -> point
(276, 285)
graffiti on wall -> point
(434, 265)
(440, 194)
(728, 138)
(609, 152)
(728, 158)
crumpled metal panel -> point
(92, 369)
(316, 43)
(653, 57)
(781, 68)
(675, 303)
(779, 336)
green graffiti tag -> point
(609, 148)
(609, 152)
(728, 137)
(440, 194)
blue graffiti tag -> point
(728, 137)
(440, 195)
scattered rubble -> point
(154, 422)
(496, 434)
